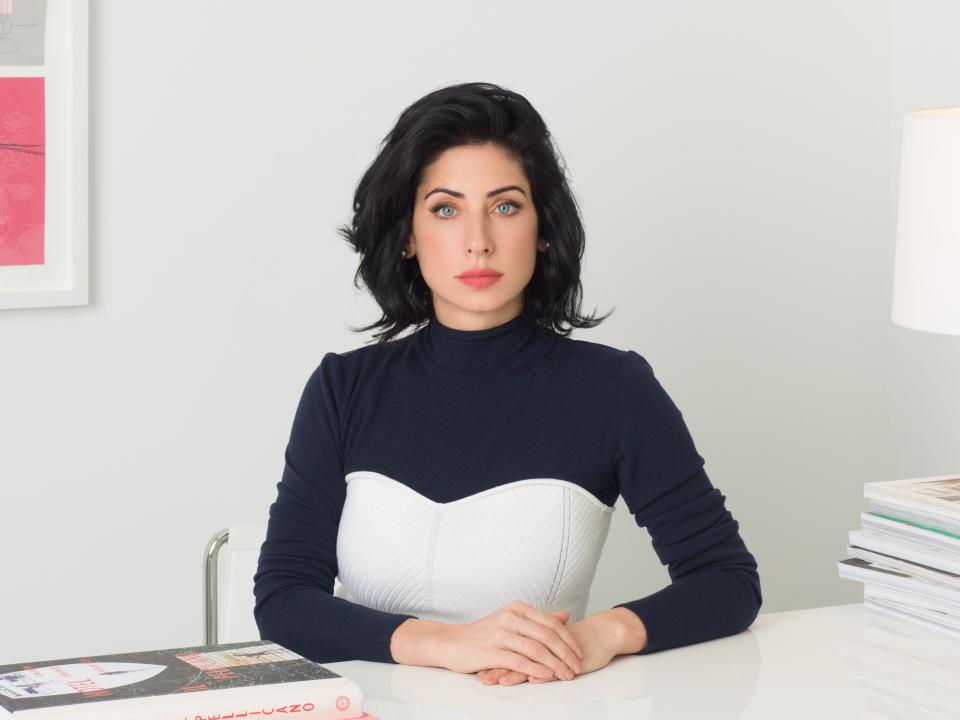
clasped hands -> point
(521, 643)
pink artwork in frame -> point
(44, 248)
(22, 143)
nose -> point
(479, 242)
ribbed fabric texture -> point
(452, 413)
(537, 540)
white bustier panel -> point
(536, 540)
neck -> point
(474, 351)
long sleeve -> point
(293, 585)
(715, 587)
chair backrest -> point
(229, 564)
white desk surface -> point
(817, 663)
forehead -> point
(473, 169)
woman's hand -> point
(518, 637)
(593, 635)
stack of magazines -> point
(907, 555)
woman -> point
(459, 481)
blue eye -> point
(443, 206)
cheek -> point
(439, 260)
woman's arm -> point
(630, 632)
(416, 642)
(715, 588)
(293, 586)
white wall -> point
(736, 163)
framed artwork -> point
(43, 153)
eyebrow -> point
(489, 194)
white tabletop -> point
(817, 663)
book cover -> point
(229, 680)
(892, 562)
(905, 549)
(927, 521)
(938, 494)
(895, 527)
(866, 572)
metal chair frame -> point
(210, 599)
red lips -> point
(479, 272)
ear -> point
(541, 245)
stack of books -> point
(903, 677)
(236, 680)
(907, 555)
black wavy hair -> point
(464, 114)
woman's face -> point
(474, 210)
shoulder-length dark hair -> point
(465, 114)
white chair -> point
(228, 584)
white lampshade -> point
(926, 275)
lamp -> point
(926, 276)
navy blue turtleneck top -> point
(451, 413)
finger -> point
(557, 625)
(490, 677)
(567, 635)
(521, 662)
(513, 678)
(525, 641)
(551, 640)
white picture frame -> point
(62, 278)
